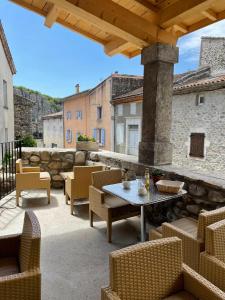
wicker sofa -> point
(154, 271)
(192, 233)
(107, 207)
(20, 277)
(212, 261)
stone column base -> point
(155, 153)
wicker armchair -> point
(30, 178)
(77, 184)
(212, 261)
(107, 207)
(20, 276)
(192, 233)
(154, 271)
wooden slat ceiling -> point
(127, 26)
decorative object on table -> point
(142, 191)
(157, 175)
(86, 143)
(126, 184)
(169, 186)
(147, 179)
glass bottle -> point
(147, 179)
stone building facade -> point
(7, 70)
(23, 114)
(198, 110)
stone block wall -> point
(204, 192)
(53, 161)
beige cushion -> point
(188, 225)
(44, 175)
(8, 266)
(183, 295)
(112, 201)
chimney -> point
(77, 86)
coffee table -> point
(132, 197)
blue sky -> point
(53, 60)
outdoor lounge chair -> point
(154, 271)
(77, 184)
(192, 233)
(20, 276)
(212, 261)
(107, 207)
(31, 178)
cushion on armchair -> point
(183, 295)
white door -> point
(133, 139)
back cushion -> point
(207, 218)
(99, 179)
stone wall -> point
(22, 115)
(53, 161)
(204, 192)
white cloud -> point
(190, 44)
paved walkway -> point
(74, 257)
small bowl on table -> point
(126, 184)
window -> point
(133, 108)
(120, 109)
(119, 133)
(69, 136)
(197, 145)
(200, 100)
(99, 135)
(68, 115)
(99, 112)
(5, 94)
(6, 135)
(79, 115)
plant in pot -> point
(157, 175)
(86, 143)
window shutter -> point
(197, 144)
(103, 136)
(95, 133)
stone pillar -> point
(155, 147)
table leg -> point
(143, 230)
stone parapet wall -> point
(204, 191)
(53, 161)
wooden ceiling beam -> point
(210, 14)
(152, 10)
(116, 46)
(176, 12)
(117, 20)
(52, 16)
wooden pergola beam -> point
(52, 16)
(116, 46)
(210, 14)
(176, 12)
(117, 21)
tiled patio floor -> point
(74, 257)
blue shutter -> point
(95, 133)
(103, 136)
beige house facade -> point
(7, 70)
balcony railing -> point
(9, 153)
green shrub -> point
(85, 138)
(29, 141)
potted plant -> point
(86, 143)
(157, 175)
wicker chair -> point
(154, 271)
(77, 185)
(107, 207)
(30, 178)
(20, 276)
(192, 233)
(212, 261)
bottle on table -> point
(147, 179)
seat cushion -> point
(44, 175)
(112, 201)
(183, 295)
(8, 266)
(189, 225)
